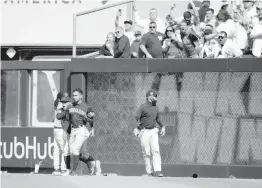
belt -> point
(58, 127)
(77, 126)
(150, 128)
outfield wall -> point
(212, 110)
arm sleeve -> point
(158, 120)
(60, 115)
(138, 115)
(143, 40)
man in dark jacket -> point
(122, 46)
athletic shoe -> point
(65, 172)
(91, 166)
(56, 172)
(158, 174)
(148, 175)
(98, 169)
(72, 173)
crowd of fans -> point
(235, 30)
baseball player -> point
(63, 116)
(147, 116)
(60, 139)
(81, 119)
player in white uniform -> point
(61, 138)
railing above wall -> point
(141, 65)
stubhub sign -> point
(22, 147)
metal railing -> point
(92, 11)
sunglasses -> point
(169, 30)
(117, 32)
(221, 37)
(152, 27)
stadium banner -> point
(212, 118)
(23, 147)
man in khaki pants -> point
(148, 115)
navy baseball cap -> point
(151, 92)
(138, 33)
(65, 99)
(128, 22)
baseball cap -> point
(151, 92)
(138, 33)
(65, 99)
(208, 31)
(128, 22)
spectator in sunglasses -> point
(122, 45)
(151, 43)
(228, 49)
(211, 47)
(172, 45)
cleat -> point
(56, 172)
(65, 172)
(72, 173)
(91, 166)
(98, 170)
(148, 175)
(158, 174)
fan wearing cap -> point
(147, 117)
(135, 45)
(211, 47)
(128, 27)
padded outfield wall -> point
(212, 110)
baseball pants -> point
(150, 148)
(61, 148)
(77, 138)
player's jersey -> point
(78, 114)
(148, 115)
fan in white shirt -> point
(228, 48)
(153, 17)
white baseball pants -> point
(77, 138)
(150, 148)
(61, 148)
